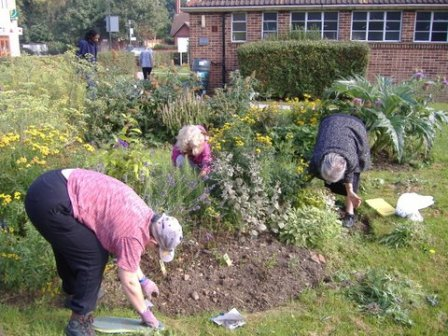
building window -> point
(4, 4)
(431, 27)
(269, 24)
(325, 23)
(239, 27)
(376, 26)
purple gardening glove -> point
(149, 319)
(149, 288)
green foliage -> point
(26, 261)
(246, 201)
(127, 159)
(117, 99)
(310, 227)
(234, 98)
(383, 294)
(178, 192)
(298, 35)
(118, 63)
(316, 198)
(279, 139)
(294, 68)
(403, 235)
(187, 110)
(399, 120)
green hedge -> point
(118, 62)
(295, 68)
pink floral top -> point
(203, 161)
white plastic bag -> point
(409, 204)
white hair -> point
(333, 167)
(191, 138)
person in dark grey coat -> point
(340, 154)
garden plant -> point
(258, 211)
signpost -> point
(182, 47)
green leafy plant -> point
(404, 234)
(25, 252)
(234, 98)
(310, 227)
(244, 197)
(399, 120)
(383, 294)
(187, 109)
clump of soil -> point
(263, 274)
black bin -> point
(201, 67)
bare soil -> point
(263, 274)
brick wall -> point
(398, 60)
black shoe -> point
(80, 325)
(348, 221)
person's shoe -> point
(80, 325)
(348, 221)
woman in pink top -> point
(192, 142)
(85, 216)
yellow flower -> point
(17, 195)
(258, 150)
(12, 256)
(266, 140)
(22, 160)
(79, 140)
(89, 148)
(300, 122)
(432, 251)
(6, 199)
(289, 136)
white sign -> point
(112, 25)
(11, 30)
(182, 44)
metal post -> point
(108, 24)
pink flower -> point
(418, 74)
(357, 101)
(445, 81)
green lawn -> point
(326, 310)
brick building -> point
(403, 35)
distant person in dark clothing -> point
(88, 50)
(146, 60)
(341, 153)
(88, 47)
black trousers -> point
(339, 187)
(80, 258)
(146, 72)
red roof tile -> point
(209, 4)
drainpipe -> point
(223, 49)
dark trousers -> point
(339, 187)
(80, 258)
(146, 72)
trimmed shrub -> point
(294, 68)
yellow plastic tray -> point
(381, 206)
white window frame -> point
(263, 22)
(384, 30)
(322, 23)
(238, 31)
(431, 28)
(4, 4)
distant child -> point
(192, 142)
